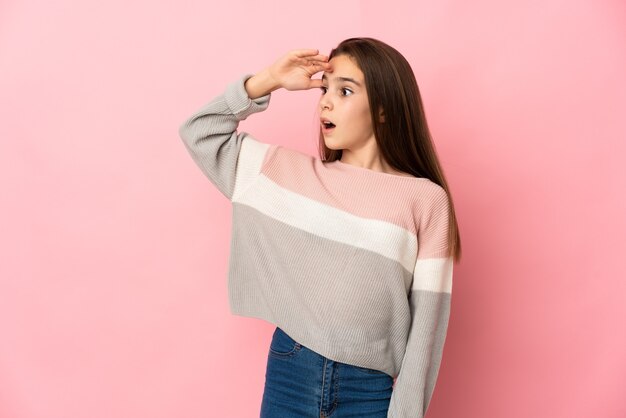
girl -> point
(349, 255)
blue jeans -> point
(302, 383)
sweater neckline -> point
(369, 171)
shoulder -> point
(429, 194)
(431, 202)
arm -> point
(231, 160)
(211, 138)
(429, 301)
(260, 84)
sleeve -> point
(429, 301)
(230, 160)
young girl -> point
(350, 255)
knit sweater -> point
(351, 262)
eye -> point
(324, 90)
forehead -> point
(343, 66)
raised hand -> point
(292, 71)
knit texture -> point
(350, 262)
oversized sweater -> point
(351, 262)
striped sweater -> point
(352, 263)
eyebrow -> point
(348, 79)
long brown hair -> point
(403, 138)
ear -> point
(381, 115)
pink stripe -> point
(359, 191)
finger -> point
(321, 64)
(315, 82)
(306, 52)
(319, 57)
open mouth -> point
(327, 126)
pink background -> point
(114, 246)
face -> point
(344, 102)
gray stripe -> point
(289, 277)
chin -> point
(333, 144)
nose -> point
(324, 102)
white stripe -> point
(384, 238)
(249, 163)
(433, 274)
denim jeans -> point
(304, 384)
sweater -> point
(350, 262)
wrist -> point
(260, 84)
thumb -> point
(315, 82)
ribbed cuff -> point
(240, 103)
